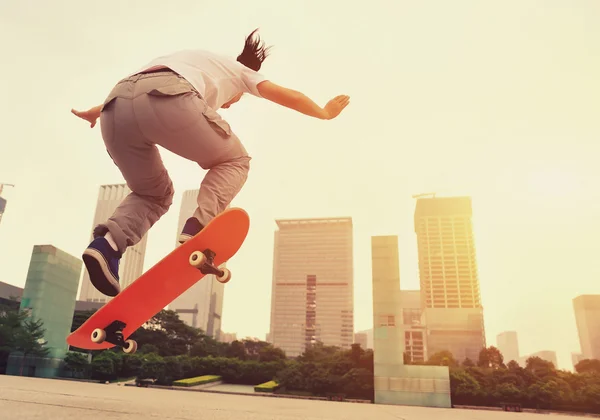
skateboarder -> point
(172, 102)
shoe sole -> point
(100, 274)
(183, 237)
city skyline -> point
(410, 298)
(506, 117)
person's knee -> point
(167, 199)
(164, 199)
(244, 165)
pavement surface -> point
(52, 399)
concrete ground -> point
(51, 399)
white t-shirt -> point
(216, 77)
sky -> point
(495, 100)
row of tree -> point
(170, 350)
(320, 371)
(324, 370)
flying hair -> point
(254, 52)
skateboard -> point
(187, 264)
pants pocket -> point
(171, 89)
(221, 126)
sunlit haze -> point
(494, 100)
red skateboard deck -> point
(114, 322)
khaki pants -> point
(162, 108)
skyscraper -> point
(313, 284)
(449, 278)
(49, 295)
(201, 306)
(132, 263)
(587, 317)
(508, 344)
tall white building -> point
(313, 284)
(587, 317)
(132, 264)
(449, 277)
(201, 306)
(508, 344)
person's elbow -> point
(280, 95)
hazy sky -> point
(496, 100)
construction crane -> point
(2, 185)
(432, 194)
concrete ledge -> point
(255, 394)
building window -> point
(387, 321)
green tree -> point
(270, 354)
(512, 365)
(236, 349)
(168, 333)
(29, 340)
(10, 322)
(207, 346)
(103, 367)
(131, 365)
(539, 367)
(589, 366)
(358, 383)
(491, 358)
(442, 358)
(319, 352)
(254, 347)
(468, 363)
(77, 363)
(148, 348)
(79, 317)
(465, 389)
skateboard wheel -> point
(225, 277)
(98, 336)
(130, 347)
(197, 258)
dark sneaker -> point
(102, 263)
(191, 228)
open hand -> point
(336, 105)
(91, 115)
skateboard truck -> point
(204, 261)
(114, 335)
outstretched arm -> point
(302, 103)
(91, 115)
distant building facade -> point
(312, 296)
(200, 306)
(587, 317)
(508, 344)
(227, 337)
(448, 276)
(49, 295)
